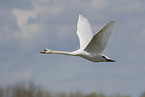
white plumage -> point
(84, 31)
(91, 47)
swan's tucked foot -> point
(108, 60)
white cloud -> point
(29, 32)
(23, 16)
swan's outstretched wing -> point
(99, 40)
(84, 31)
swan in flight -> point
(91, 46)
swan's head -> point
(46, 51)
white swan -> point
(91, 47)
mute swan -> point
(91, 47)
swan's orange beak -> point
(42, 51)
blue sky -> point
(29, 26)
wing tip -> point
(80, 14)
(81, 17)
(113, 20)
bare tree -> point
(31, 90)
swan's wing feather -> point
(84, 31)
(99, 40)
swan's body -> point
(91, 47)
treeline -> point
(31, 90)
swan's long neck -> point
(59, 52)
